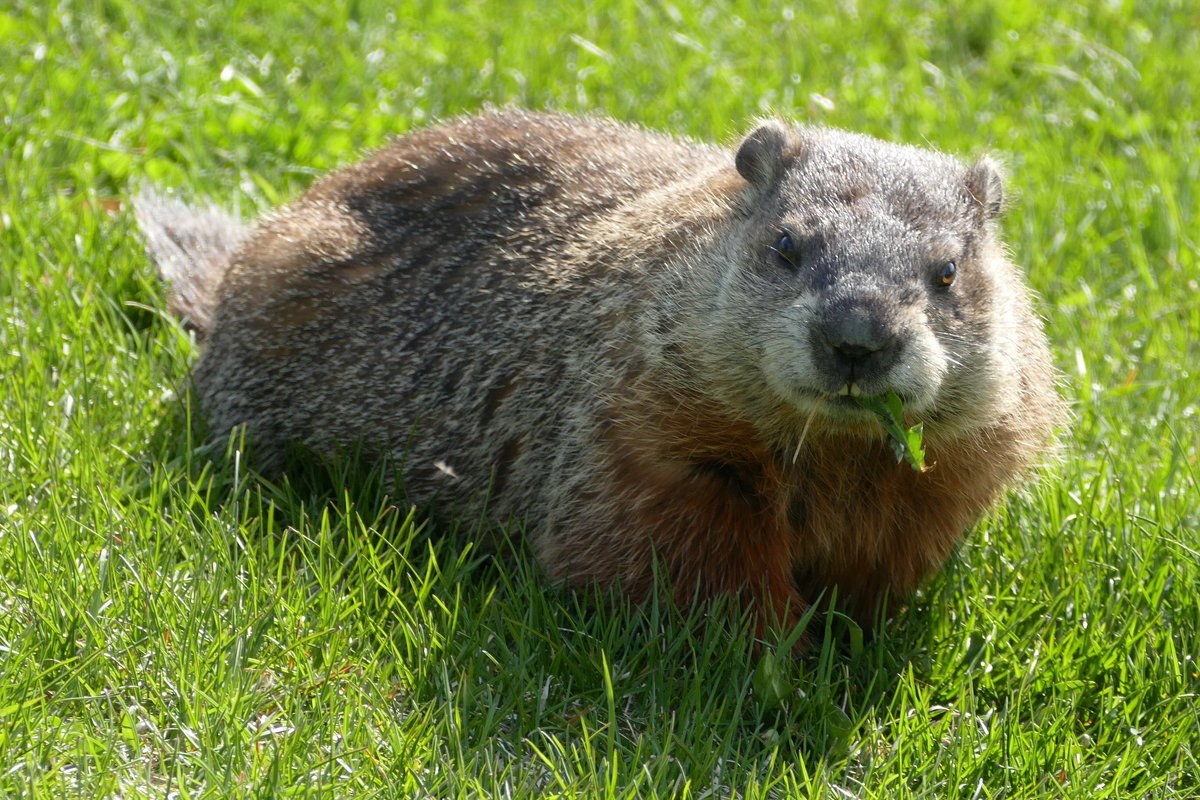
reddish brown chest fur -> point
(720, 514)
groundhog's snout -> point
(857, 344)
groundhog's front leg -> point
(690, 567)
(686, 534)
(752, 569)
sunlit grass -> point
(171, 626)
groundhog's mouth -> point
(843, 407)
(846, 407)
(822, 402)
(848, 395)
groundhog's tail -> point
(191, 247)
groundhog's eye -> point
(785, 249)
(947, 273)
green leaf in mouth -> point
(905, 441)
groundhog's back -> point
(454, 297)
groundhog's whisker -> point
(807, 424)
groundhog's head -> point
(861, 267)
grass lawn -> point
(171, 627)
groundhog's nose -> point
(857, 346)
(859, 362)
(854, 355)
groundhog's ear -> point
(760, 157)
(985, 183)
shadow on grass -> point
(497, 659)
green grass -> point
(173, 628)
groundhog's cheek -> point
(790, 371)
(921, 371)
(787, 354)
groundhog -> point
(647, 351)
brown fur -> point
(597, 323)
